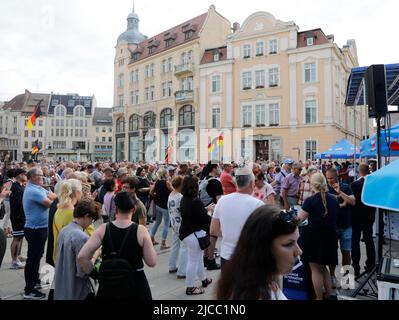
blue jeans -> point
(178, 250)
(161, 213)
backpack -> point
(116, 276)
(205, 198)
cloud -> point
(68, 46)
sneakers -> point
(22, 259)
(38, 286)
(34, 295)
(17, 265)
(212, 265)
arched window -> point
(60, 111)
(186, 116)
(149, 120)
(79, 111)
(166, 117)
(134, 122)
(120, 125)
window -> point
(260, 115)
(121, 100)
(121, 80)
(15, 130)
(79, 111)
(26, 145)
(170, 64)
(188, 35)
(134, 123)
(310, 149)
(273, 46)
(152, 49)
(87, 103)
(147, 93)
(166, 117)
(247, 80)
(216, 57)
(273, 77)
(152, 72)
(310, 72)
(186, 116)
(104, 129)
(309, 42)
(164, 89)
(40, 134)
(247, 116)
(103, 139)
(136, 56)
(259, 48)
(66, 132)
(33, 134)
(247, 51)
(40, 123)
(149, 120)
(136, 75)
(109, 139)
(310, 112)
(71, 132)
(216, 118)
(57, 132)
(71, 103)
(97, 139)
(147, 71)
(60, 111)
(164, 66)
(260, 78)
(110, 129)
(216, 83)
(187, 83)
(26, 133)
(120, 125)
(61, 132)
(132, 76)
(168, 43)
(274, 114)
(59, 144)
(152, 96)
(170, 88)
(55, 102)
(136, 97)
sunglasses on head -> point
(291, 216)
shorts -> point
(345, 239)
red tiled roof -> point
(176, 32)
(209, 53)
(317, 34)
(27, 102)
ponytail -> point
(65, 194)
(324, 200)
(319, 183)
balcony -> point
(184, 96)
(183, 69)
(118, 110)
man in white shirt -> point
(232, 211)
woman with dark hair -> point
(253, 269)
(195, 220)
(109, 208)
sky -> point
(68, 46)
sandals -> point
(194, 291)
(206, 282)
(154, 243)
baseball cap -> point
(171, 168)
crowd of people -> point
(99, 219)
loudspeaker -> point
(377, 91)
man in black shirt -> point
(17, 217)
(362, 222)
(210, 192)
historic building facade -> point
(270, 90)
(101, 134)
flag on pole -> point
(36, 148)
(36, 114)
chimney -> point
(236, 26)
(330, 38)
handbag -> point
(204, 242)
(151, 210)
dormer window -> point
(151, 50)
(168, 43)
(309, 41)
(188, 35)
(136, 56)
(216, 57)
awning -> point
(342, 150)
(355, 80)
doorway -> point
(262, 150)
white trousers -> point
(195, 260)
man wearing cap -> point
(290, 187)
(17, 217)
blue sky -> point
(68, 46)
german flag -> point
(36, 148)
(36, 114)
(220, 140)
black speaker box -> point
(377, 91)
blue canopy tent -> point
(389, 143)
(342, 150)
(381, 188)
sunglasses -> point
(291, 216)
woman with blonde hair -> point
(70, 193)
(319, 238)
